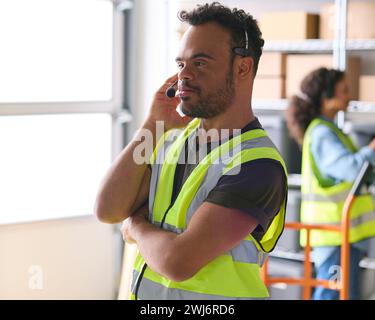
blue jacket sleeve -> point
(332, 157)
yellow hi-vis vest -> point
(233, 275)
(323, 201)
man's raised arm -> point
(125, 187)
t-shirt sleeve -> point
(258, 190)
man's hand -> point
(179, 256)
(128, 176)
(140, 216)
(164, 108)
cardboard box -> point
(367, 88)
(292, 25)
(272, 64)
(299, 65)
(269, 87)
(360, 20)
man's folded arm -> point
(212, 231)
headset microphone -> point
(171, 91)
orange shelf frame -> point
(307, 281)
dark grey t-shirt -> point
(258, 189)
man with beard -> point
(202, 228)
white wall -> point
(80, 258)
(75, 258)
(151, 53)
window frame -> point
(115, 107)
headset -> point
(171, 91)
(243, 52)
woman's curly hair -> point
(307, 105)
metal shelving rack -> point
(358, 110)
(367, 263)
(339, 47)
(317, 46)
(284, 254)
(299, 46)
(360, 45)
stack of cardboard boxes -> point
(270, 80)
(360, 20)
(360, 25)
(294, 25)
(367, 88)
(280, 75)
(299, 65)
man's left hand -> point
(140, 216)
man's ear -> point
(245, 67)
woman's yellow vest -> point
(234, 274)
(323, 201)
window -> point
(55, 50)
(50, 165)
(59, 109)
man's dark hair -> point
(235, 21)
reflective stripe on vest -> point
(235, 274)
(322, 202)
(341, 196)
(221, 277)
(355, 222)
(153, 291)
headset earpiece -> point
(243, 52)
(171, 91)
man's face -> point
(205, 79)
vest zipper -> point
(174, 197)
(140, 276)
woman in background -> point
(330, 164)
